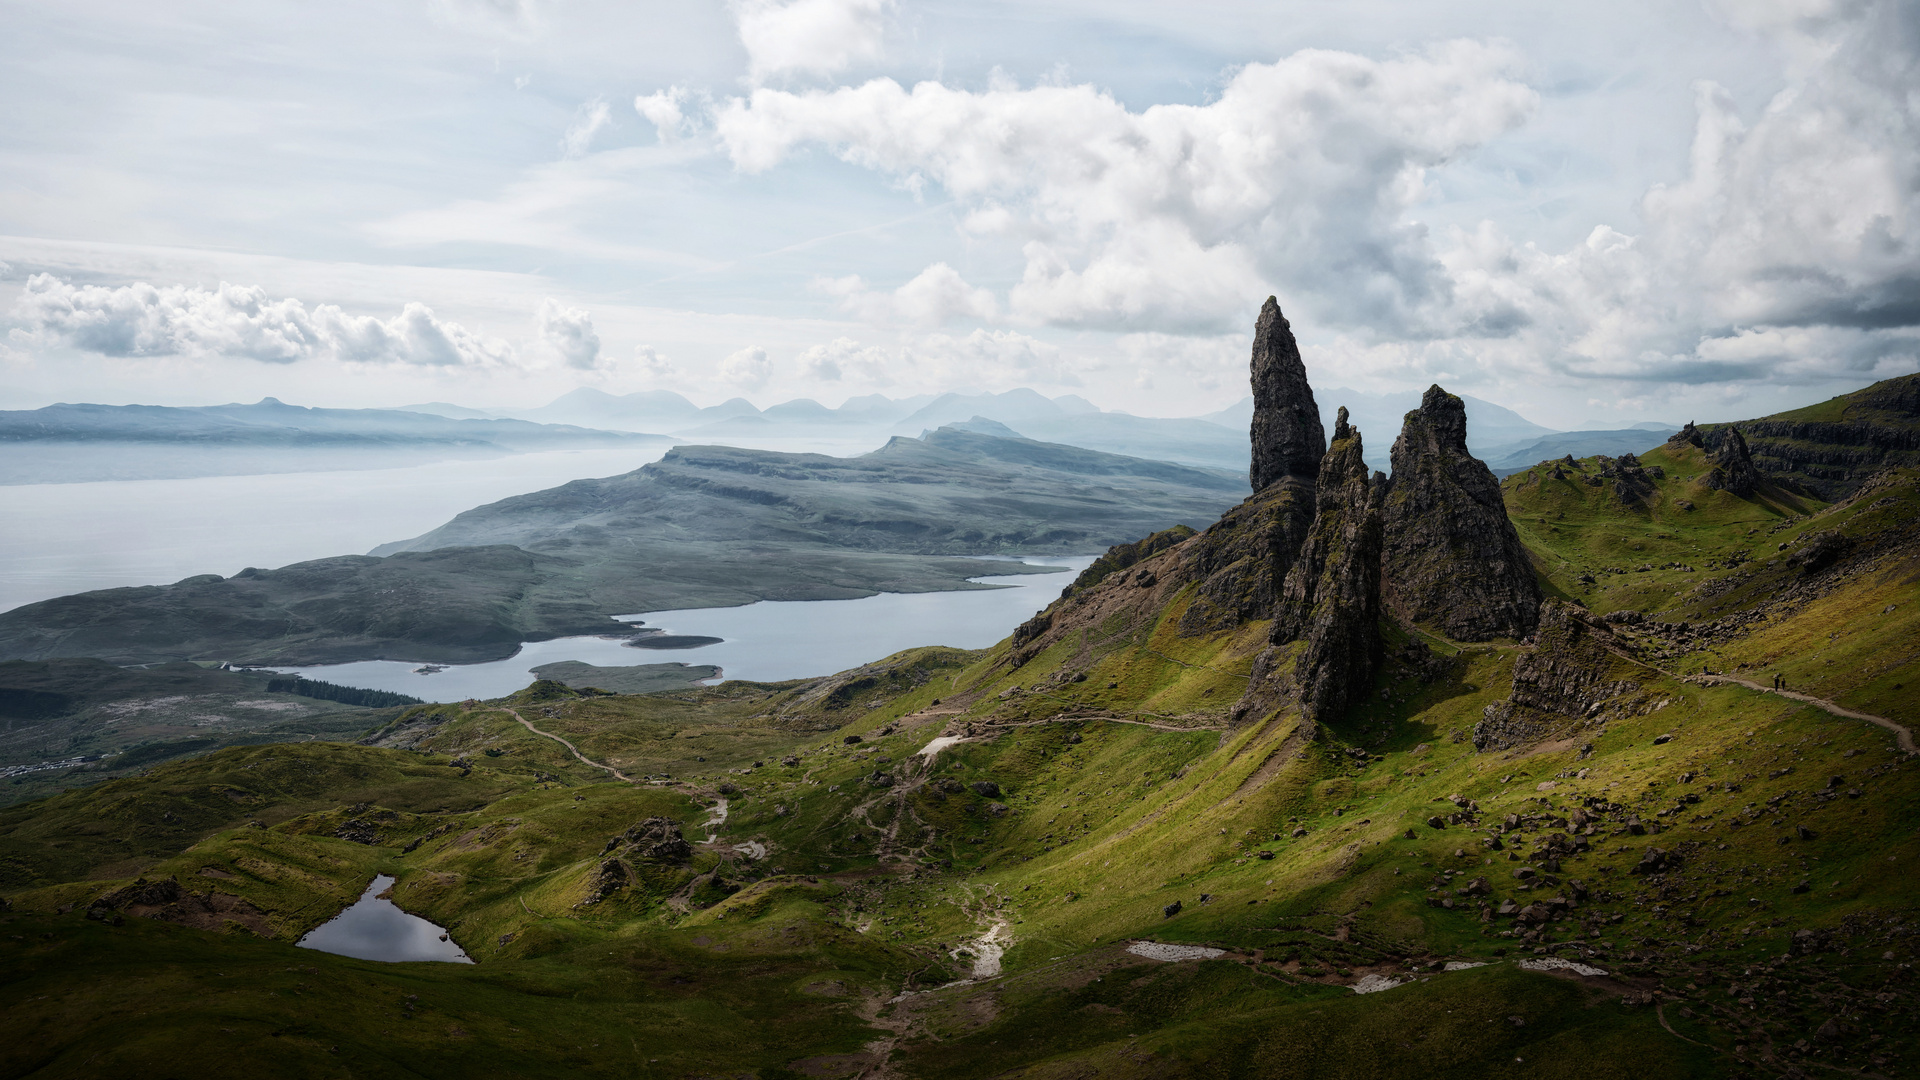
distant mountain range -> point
(1215, 440)
(77, 442)
(66, 443)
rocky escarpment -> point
(1451, 559)
(1833, 448)
(1563, 679)
(1331, 598)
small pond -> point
(374, 928)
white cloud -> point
(588, 121)
(1790, 252)
(809, 37)
(936, 296)
(569, 333)
(663, 109)
(1299, 176)
(993, 358)
(655, 366)
(749, 369)
(142, 320)
(844, 358)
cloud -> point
(1299, 176)
(588, 121)
(809, 37)
(936, 296)
(663, 109)
(749, 369)
(569, 333)
(142, 320)
(845, 358)
(654, 365)
(1790, 252)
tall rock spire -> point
(1331, 597)
(1451, 559)
(1242, 560)
(1287, 437)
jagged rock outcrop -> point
(1287, 437)
(167, 901)
(1240, 562)
(1121, 556)
(1331, 597)
(1731, 466)
(656, 839)
(1733, 470)
(1561, 680)
(1451, 559)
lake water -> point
(57, 539)
(375, 928)
(764, 642)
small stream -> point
(374, 928)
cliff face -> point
(1832, 448)
(1288, 440)
(1450, 556)
(1331, 596)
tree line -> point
(346, 695)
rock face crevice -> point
(1451, 559)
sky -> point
(1594, 213)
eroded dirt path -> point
(1901, 733)
(574, 750)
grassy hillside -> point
(936, 865)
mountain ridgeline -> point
(706, 526)
(1604, 770)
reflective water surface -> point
(374, 928)
(764, 642)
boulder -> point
(1170, 910)
(986, 789)
(657, 839)
(1451, 559)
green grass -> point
(1120, 793)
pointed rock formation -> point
(1733, 470)
(1732, 466)
(1451, 559)
(1331, 597)
(1288, 440)
(1241, 561)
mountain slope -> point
(703, 527)
(1135, 839)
